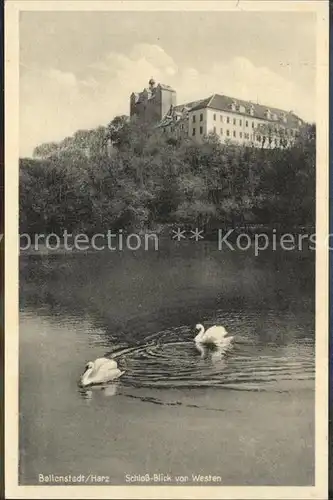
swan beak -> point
(81, 383)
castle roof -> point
(203, 103)
(148, 92)
(224, 103)
(179, 110)
(189, 105)
(166, 87)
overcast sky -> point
(78, 69)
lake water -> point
(246, 416)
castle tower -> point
(152, 104)
(152, 84)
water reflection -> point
(106, 390)
(213, 352)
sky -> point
(78, 69)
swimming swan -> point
(217, 335)
(100, 371)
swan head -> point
(199, 330)
(84, 380)
(199, 327)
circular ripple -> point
(170, 359)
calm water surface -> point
(246, 415)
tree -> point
(151, 180)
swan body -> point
(100, 371)
(217, 335)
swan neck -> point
(85, 377)
(200, 334)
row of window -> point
(234, 122)
(234, 134)
(221, 119)
(241, 135)
(201, 131)
(194, 118)
(246, 135)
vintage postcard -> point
(166, 249)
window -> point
(221, 131)
(246, 123)
(240, 122)
(214, 130)
(221, 118)
(228, 133)
(252, 124)
(240, 134)
(228, 119)
(193, 118)
(201, 117)
(234, 121)
(258, 138)
(201, 130)
(193, 131)
(234, 133)
(214, 117)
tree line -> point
(132, 176)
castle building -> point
(153, 103)
(229, 119)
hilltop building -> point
(153, 103)
(231, 119)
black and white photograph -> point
(172, 310)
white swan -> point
(216, 335)
(100, 371)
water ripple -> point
(170, 359)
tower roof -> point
(166, 87)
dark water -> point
(246, 415)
